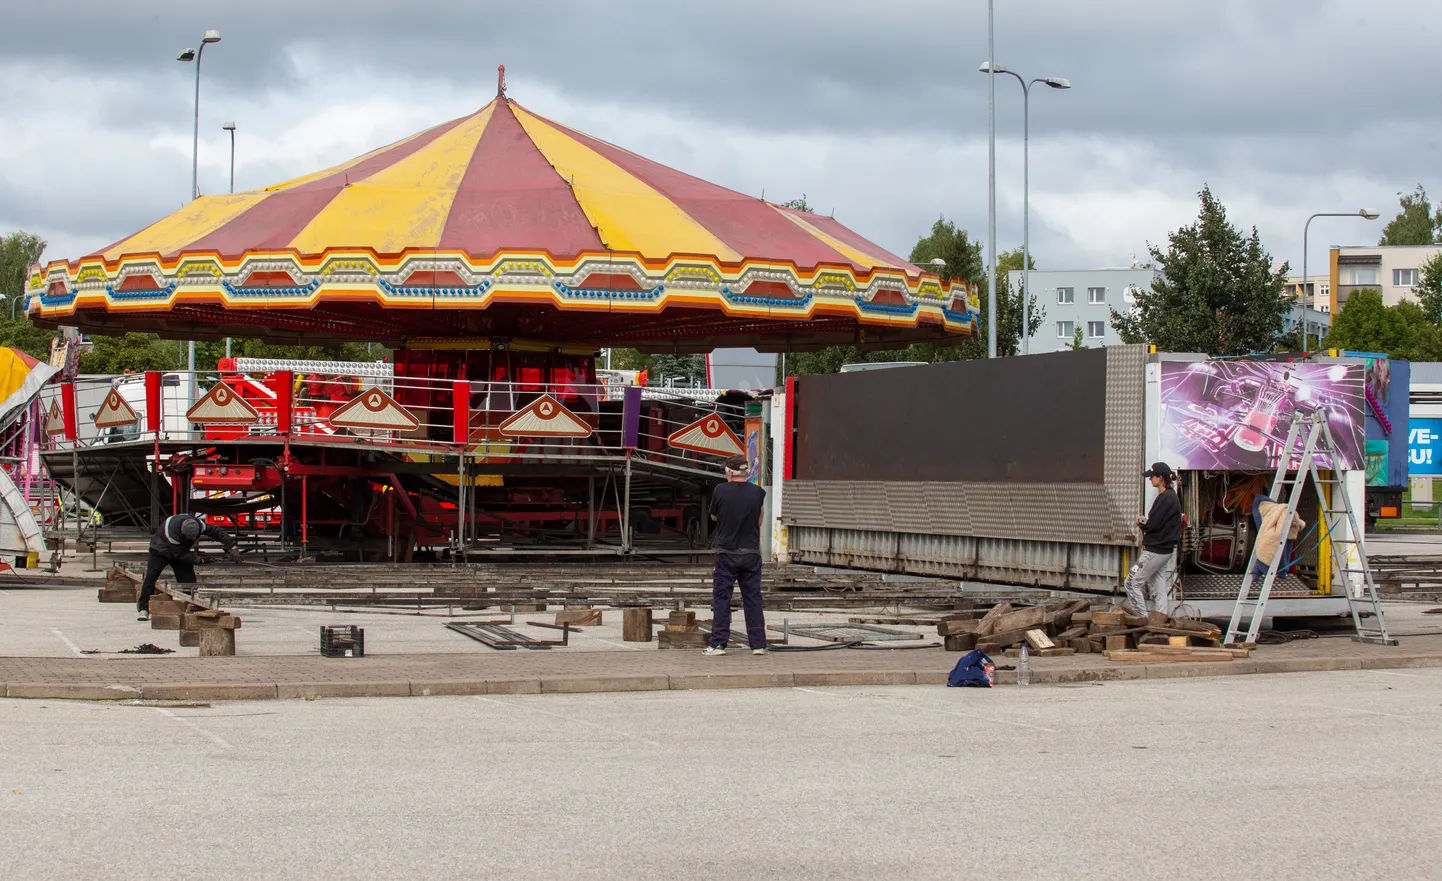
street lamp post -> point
(230, 127)
(195, 55)
(1054, 82)
(1365, 215)
(991, 181)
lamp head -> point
(937, 262)
(1058, 82)
(229, 126)
(186, 55)
(987, 67)
(211, 37)
(1370, 215)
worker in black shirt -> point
(173, 545)
(736, 508)
(1161, 530)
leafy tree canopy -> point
(1415, 223)
(1217, 292)
(1401, 331)
(18, 252)
(1429, 287)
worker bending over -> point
(1161, 530)
(173, 545)
(736, 508)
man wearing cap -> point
(736, 506)
(1161, 530)
(173, 545)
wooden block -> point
(678, 639)
(1081, 618)
(1080, 646)
(164, 622)
(636, 625)
(1038, 640)
(1159, 618)
(1055, 651)
(1179, 640)
(681, 618)
(190, 638)
(203, 621)
(1069, 634)
(988, 621)
(163, 605)
(1021, 619)
(525, 607)
(958, 626)
(1000, 640)
(1116, 643)
(1108, 619)
(216, 642)
(579, 617)
(117, 594)
(959, 642)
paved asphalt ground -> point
(1308, 776)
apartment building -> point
(1081, 298)
(1392, 269)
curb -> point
(222, 691)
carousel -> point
(495, 254)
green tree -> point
(1401, 331)
(18, 252)
(1415, 223)
(1076, 341)
(689, 367)
(133, 351)
(1217, 292)
(798, 204)
(1429, 287)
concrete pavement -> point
(1308, 776)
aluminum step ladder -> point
(1341, 529)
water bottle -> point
(1023, 667)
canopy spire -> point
(500, 81)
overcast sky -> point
(871, 108)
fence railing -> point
(493, 421)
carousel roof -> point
(503, 223)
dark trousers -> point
(184, 573)
(731, 569)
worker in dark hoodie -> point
(173, 545)
(1161, 530)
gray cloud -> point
(1285, 107)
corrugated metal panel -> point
(1125, 433)
(1059, 565)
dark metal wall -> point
(1038, 419)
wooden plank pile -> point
(1072, 627)
(681, 632)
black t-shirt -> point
(736, 506)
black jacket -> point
(1164, 523)
(169, 543)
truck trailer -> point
(1028, 471)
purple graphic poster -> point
(1234, 415)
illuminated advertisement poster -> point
(1234, 415)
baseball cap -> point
(1159, 469)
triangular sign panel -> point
(114, 412)
(222, 405)
(54, 420)
(709, 434)
(544, 417)
(376, 410)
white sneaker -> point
(758, 651)
(712, 650)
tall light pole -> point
(1365, 215)
(230, 127)
(1055, 82)
(991, 180)
(186, 56)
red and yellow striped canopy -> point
(504, 224)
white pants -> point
(1150, 569)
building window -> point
(1361, 276)
(1096, 329)
(1066, 295)
(1096, 295)
(1404, 278)
(1065, 330)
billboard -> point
(1234, 415)
(1424, 448)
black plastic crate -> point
(336, 641)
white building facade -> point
(1392, 269)
(1081, 299)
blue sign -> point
(1424, 448)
